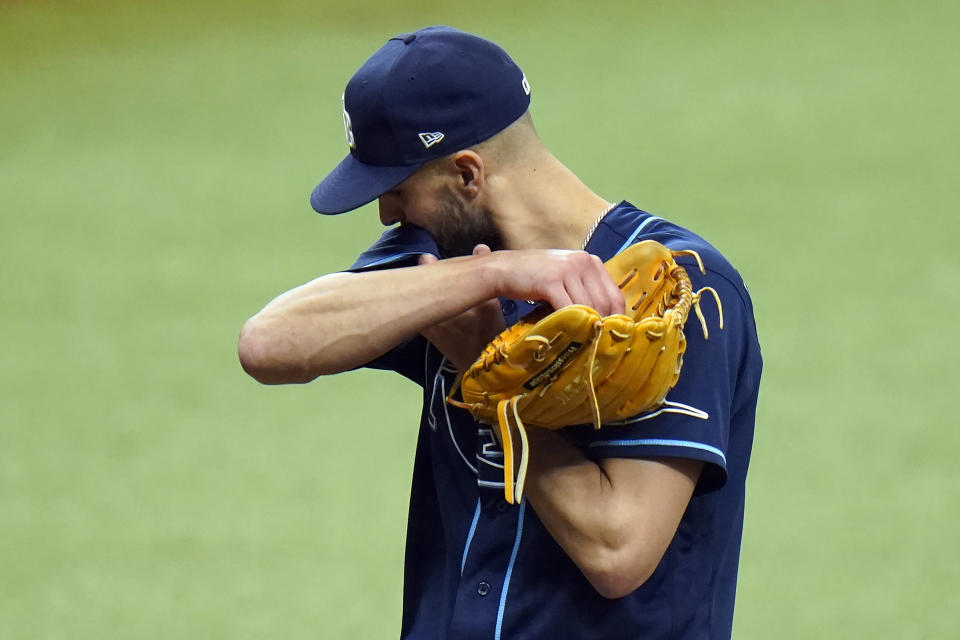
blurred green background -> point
(155, 163)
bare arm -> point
(341, 321)
(614, 519)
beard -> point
(459, 227)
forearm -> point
(575, 500)
(614, 518)
(341, 321)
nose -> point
(389, 209)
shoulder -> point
(627, 225)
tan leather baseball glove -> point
(572, 366)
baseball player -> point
(629, 531)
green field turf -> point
(155, 163)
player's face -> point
(459, 226)
(410, 202)
(456, 225)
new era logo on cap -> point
(431, 138)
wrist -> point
(489, 275)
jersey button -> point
(483, 588)
(508, 307)
(502, 505)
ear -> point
(470, 172)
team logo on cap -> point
(347, 125)
(430, 138)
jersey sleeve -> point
(399, 246)
(694, 421)
(407, 358)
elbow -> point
(615, 574)
(263, 357)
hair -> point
(512, 144)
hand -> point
(558, 277)
(463, 337)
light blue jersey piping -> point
(658, 442)
(473, 529)
(506, 580)
(637, 231)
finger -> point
(607, 296)
(426, 258)
(581, 294)
(612, 298)
(481, 250)
(617, 300)
(558, 297)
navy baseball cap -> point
(421, 96)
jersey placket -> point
(492, 551)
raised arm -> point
(340, 321)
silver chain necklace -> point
(596, 223)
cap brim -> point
(353, 184)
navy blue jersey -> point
(477, 567)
